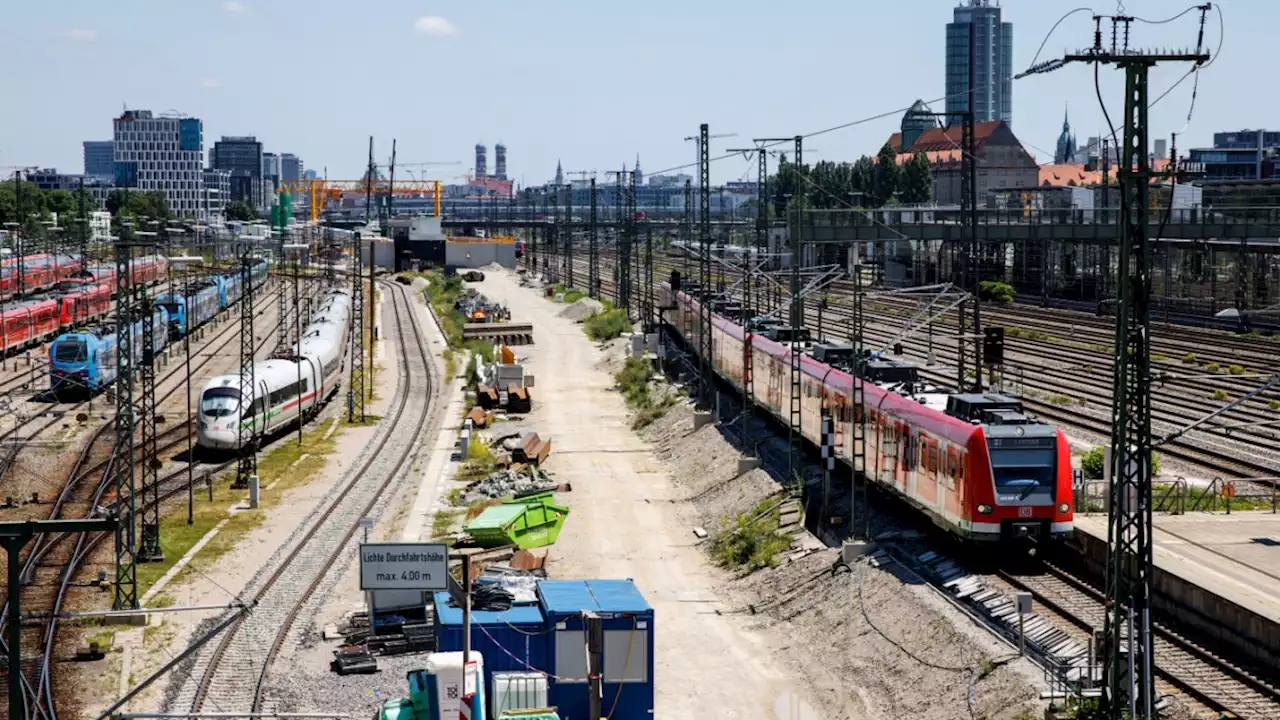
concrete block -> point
(851, 550)
(701, 418)
(747, 464)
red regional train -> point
(974, 464)
(82, 297)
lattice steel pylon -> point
(149, 548)
(706, 367)
(593, 247)
(568, 237)
(795, 437)
(858, 508)
(633, 243)
(355, 383)
(246, 428)
(1129, 690)
(553, 238)
(686, 233)
(126, 542)
(647, 322)
(282, 328)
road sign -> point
(404, 566)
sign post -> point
(401, 566)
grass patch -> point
(633, 382)
(607, 325)
(1158, 357)
(1274, 404)
(753, 542)
(442, 523)
(1189, 359)
(279, 470)
(1060, 399)
(1236, 370)
(450, 363)
(1205, 498)
(1213, 367)
(573, 296)
(1219, 394)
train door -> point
(838, 410)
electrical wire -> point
(972, 672)
(1055, 27)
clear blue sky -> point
(591, 83)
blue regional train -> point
(86, 360)
(192, 306)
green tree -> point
(240, 210)
(885, 179)
(862, 178)
(917, 180)
(62, 202)
(117, 200)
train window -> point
(933, 457)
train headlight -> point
(1064, 508)
(984, 509)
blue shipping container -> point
(514, 639)
(628, 646)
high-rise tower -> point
(500, 161)
(993, 61)
(482, 161)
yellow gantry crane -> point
(319, 192)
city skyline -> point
(574, 114)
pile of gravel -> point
(582, 309)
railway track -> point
(47, 567)
(232, 677)
(1181, 666)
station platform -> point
(1223, 568)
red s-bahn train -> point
(974, 464)
(80, 297)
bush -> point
(633, 381)
(754, 542)
(1274, 404)
(1189, 359)
(1213, 367)
(607, 325)
(997, 292)
(1094, 462)
(1219, 394)
(573, 296)
(1236, 370)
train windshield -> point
(70, 350)
(220, 401)
(1023, 470)
(171, 308)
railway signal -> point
(993, 346)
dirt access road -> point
(625, 523)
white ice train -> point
(287, 387)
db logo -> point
(1024, 512)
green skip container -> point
(528, 522)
